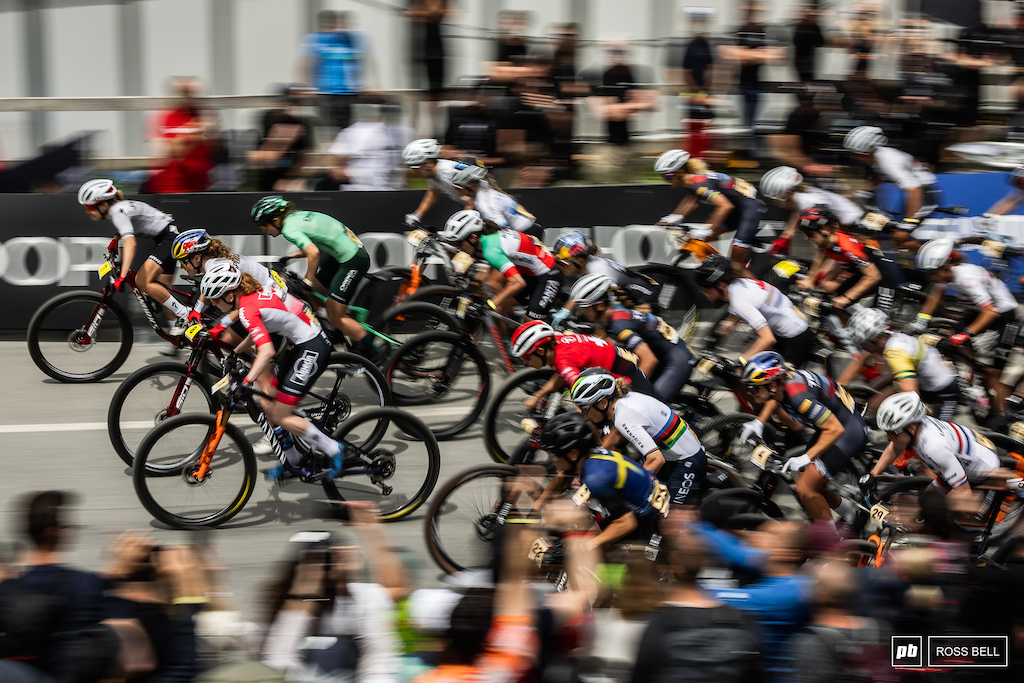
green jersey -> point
(303, 228)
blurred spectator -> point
(973, 53)
(807, 38)
(428, 52)
(336, 62)
(806, 131)
(510, 47)
(1013, 46)
(689, 68)
(185, 144)
(368, 154)
(751, 52)
(861, 36)
(568, 88)
(472, 130)
(617, 97)
(287, 137)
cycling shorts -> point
(674, 368)
(540, 292)
(299, 367)
(685, 478)
(796, 350)
(1008, 329)
(836, 458)
(747, 221)
(943, 402)
(342, 279)
(159, 249)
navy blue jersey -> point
(811, 398)
(618, 483)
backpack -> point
(858, 662)
(707, 644)
(30, 617)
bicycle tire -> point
(42, 322)
(422, 316)
(408, 361)
(498, 451)
(410, 428)
(174, 372)
(441, 505)
(143, 478)
(720, 505)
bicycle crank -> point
(383, 461)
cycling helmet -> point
(865, 139)
(529, 336)
(934, 254)
(815, 219)
(418, 151)
(590, 290)
(220, 279)
(591, 386)
(268, 208)
(570, 244)
(866, 324)
(780, 180)
(764, 367)
(468, 174)
(93, 191)
(461, 225)
(716, 268)
(190, 242)
(671, 161)
(899, 411)
(566, 432)
(1017, 177)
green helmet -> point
(268, 208)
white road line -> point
(69, 427)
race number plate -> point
(875, 221)
(1017, 430)
(415, 237)
(929, 339)
(193, 331)
(760, 456)
(462, 262)
(582, 495)
(878, 513)
(222, 383)
(105, 269)
(811, 305)
(706, 365)
(537, 551)
(786, 269)
(279, 281)
(659, 498)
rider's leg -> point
(686, 479)
(297, 373)
(151, 279)
(338, 315)
(740, 256)
(810, 486)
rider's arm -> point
(887, 457)
(622, 526)
(264, 355)
(686, 205)
(558, 483)
(790, 228)
(903, 371)
(648, 361)
(1008, 203)
(628, 425)
(915, 200)
(870, 277)
(552, 385)
(312, 254)
(765, 340)
(932, 302)
(812, 274)
(127, 254)
(831, 431)
(852, 368)
(513, 285)
(428, 201)
(986, 316)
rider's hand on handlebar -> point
(918, 325)
(753, 428)
(796, 464)
(282, 263)
(560, 317)
(961, 338)
(119, 284)
(780, 246)
(194, 316)
(867, 482)
(412, 220)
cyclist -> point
(799, 398)
(664, 357)
(526, 265)
(915, 366)
(335, 260)
(958, 456)
(773, 317)
(667, 445)
(735, 201)
(570, 354)
(499, 209)
(576, 256)
(843, 265)
(421, 157)
(263, 313)
(1011, 201)
(634, 498)
(133, 220)
(992, 307)
(784, 186)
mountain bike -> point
(198, 470)
(85, 336)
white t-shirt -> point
(442, 180)
(138, 218)
(845, 211)
(953, 452)
(980, 287)
(374, 151)
(902, 169)
(650, 425)
(759, 304)
(501, 209)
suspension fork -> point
(223, 415)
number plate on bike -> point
(415, 237)
(105, 269)
(462, 262)
(706, 365)
(878, 513)
(875, 221)
(760, 456)
(537, 551)
(929, 339)
(786, 269)
(582, 495)
(222, 383)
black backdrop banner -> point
(49, 245)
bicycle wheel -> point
(191, 496)
(149, 396)
(718, 507)
(446, 370)
(349, 382)
(64, 347)
(396, 471)
(720, 437)
(462, 518)
(503, 433)
(412, 318)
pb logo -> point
(907, 652)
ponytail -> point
(248, 285)
(623, 385)
(696, 166)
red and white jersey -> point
(981, 288)
(528, 255)
(264, 313)
(760, 304)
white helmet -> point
(529, 336)
(418, 151)
(591, 386)
(96, 191)
(468, 174)
(671, 161)
(900, 411)
(866, 324)
(590, 289)
(934, 254)
(780, 180)
(865, 139)
(461, 225)
(220, 279)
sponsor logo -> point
(305, 368)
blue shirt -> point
(619, 483)
(337, 59)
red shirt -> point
(574, 353)
(264, 312)
(849, 251)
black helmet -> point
(716, 268)
(565, 432)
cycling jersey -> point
(849, 251)
(257, 270)
(748, 209)
(760, 304)
(264, 313)
(630, 329)
(138, 218)
(811, 398)
(910, 359)
(330, 236)
(954, 453)
(650, 425)
(981, 288)
(642, 289)
(619, 484)
(846, 212)
(510, 252)
(441, 180)
(902, 169)
(501, 209)
(574, 353)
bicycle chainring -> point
(384, 462)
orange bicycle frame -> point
(212, 443)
